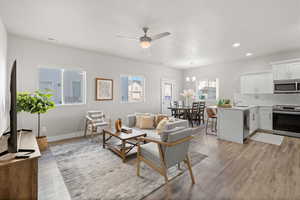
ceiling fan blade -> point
(160, 35)
(127, 38)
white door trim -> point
(173, 82)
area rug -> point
(267, 138)
(91, 172)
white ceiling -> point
(202, 30)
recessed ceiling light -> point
(249, 54)
(236, 44)
(51, 39)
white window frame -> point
(144, 87)
(217, 88)
(62, 84)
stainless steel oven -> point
(286, 120)
(286, 86)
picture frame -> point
(104, 89)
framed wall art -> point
(104, 89)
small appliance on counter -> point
(286, 120)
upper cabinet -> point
(286, 71)
(258, 83)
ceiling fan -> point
(145, 40)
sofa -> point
(171, 124)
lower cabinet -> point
(260, 118)
(265, 118)
(253, 119)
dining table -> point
(187, 110)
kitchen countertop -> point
(243, 108)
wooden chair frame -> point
(163, 169)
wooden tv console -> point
(19, 177)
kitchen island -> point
(237, 123)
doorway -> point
(167, 95)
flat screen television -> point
(14, 137)
(12, 142)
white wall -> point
(229, 73)
(3, 79)
(31, 54)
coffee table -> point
(127, 141)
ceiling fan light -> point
(145, 44)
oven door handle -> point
(286, 112)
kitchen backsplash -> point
(267, 99)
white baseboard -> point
(65, 136)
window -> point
(208, 89)
(132, 89)
(67, 86)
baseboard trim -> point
(65, 136)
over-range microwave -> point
(286, 86)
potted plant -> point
(224, 103)
(37, 102)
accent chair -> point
(95, 122)
(162, 154)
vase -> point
(118, 125)
(42, 142)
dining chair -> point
(211, 116)
(174, 106)
(201, 111)
(170, 150)
(180, 112)
(193, 113)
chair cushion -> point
(150, 152)
(147, 122)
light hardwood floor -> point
(254, 170)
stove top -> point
(293, 108)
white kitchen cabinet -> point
(247, 85)
(265, 118)
(260, 83)
(253, 119)
(286, 71)
(294, 69)
(281, 72)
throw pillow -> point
(138, 117)
(160, 117)
(161, 126)
(147, 122)
(138, 121)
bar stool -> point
(211, 115)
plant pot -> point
(42, 142)
(225, 106)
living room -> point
(133, 66)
